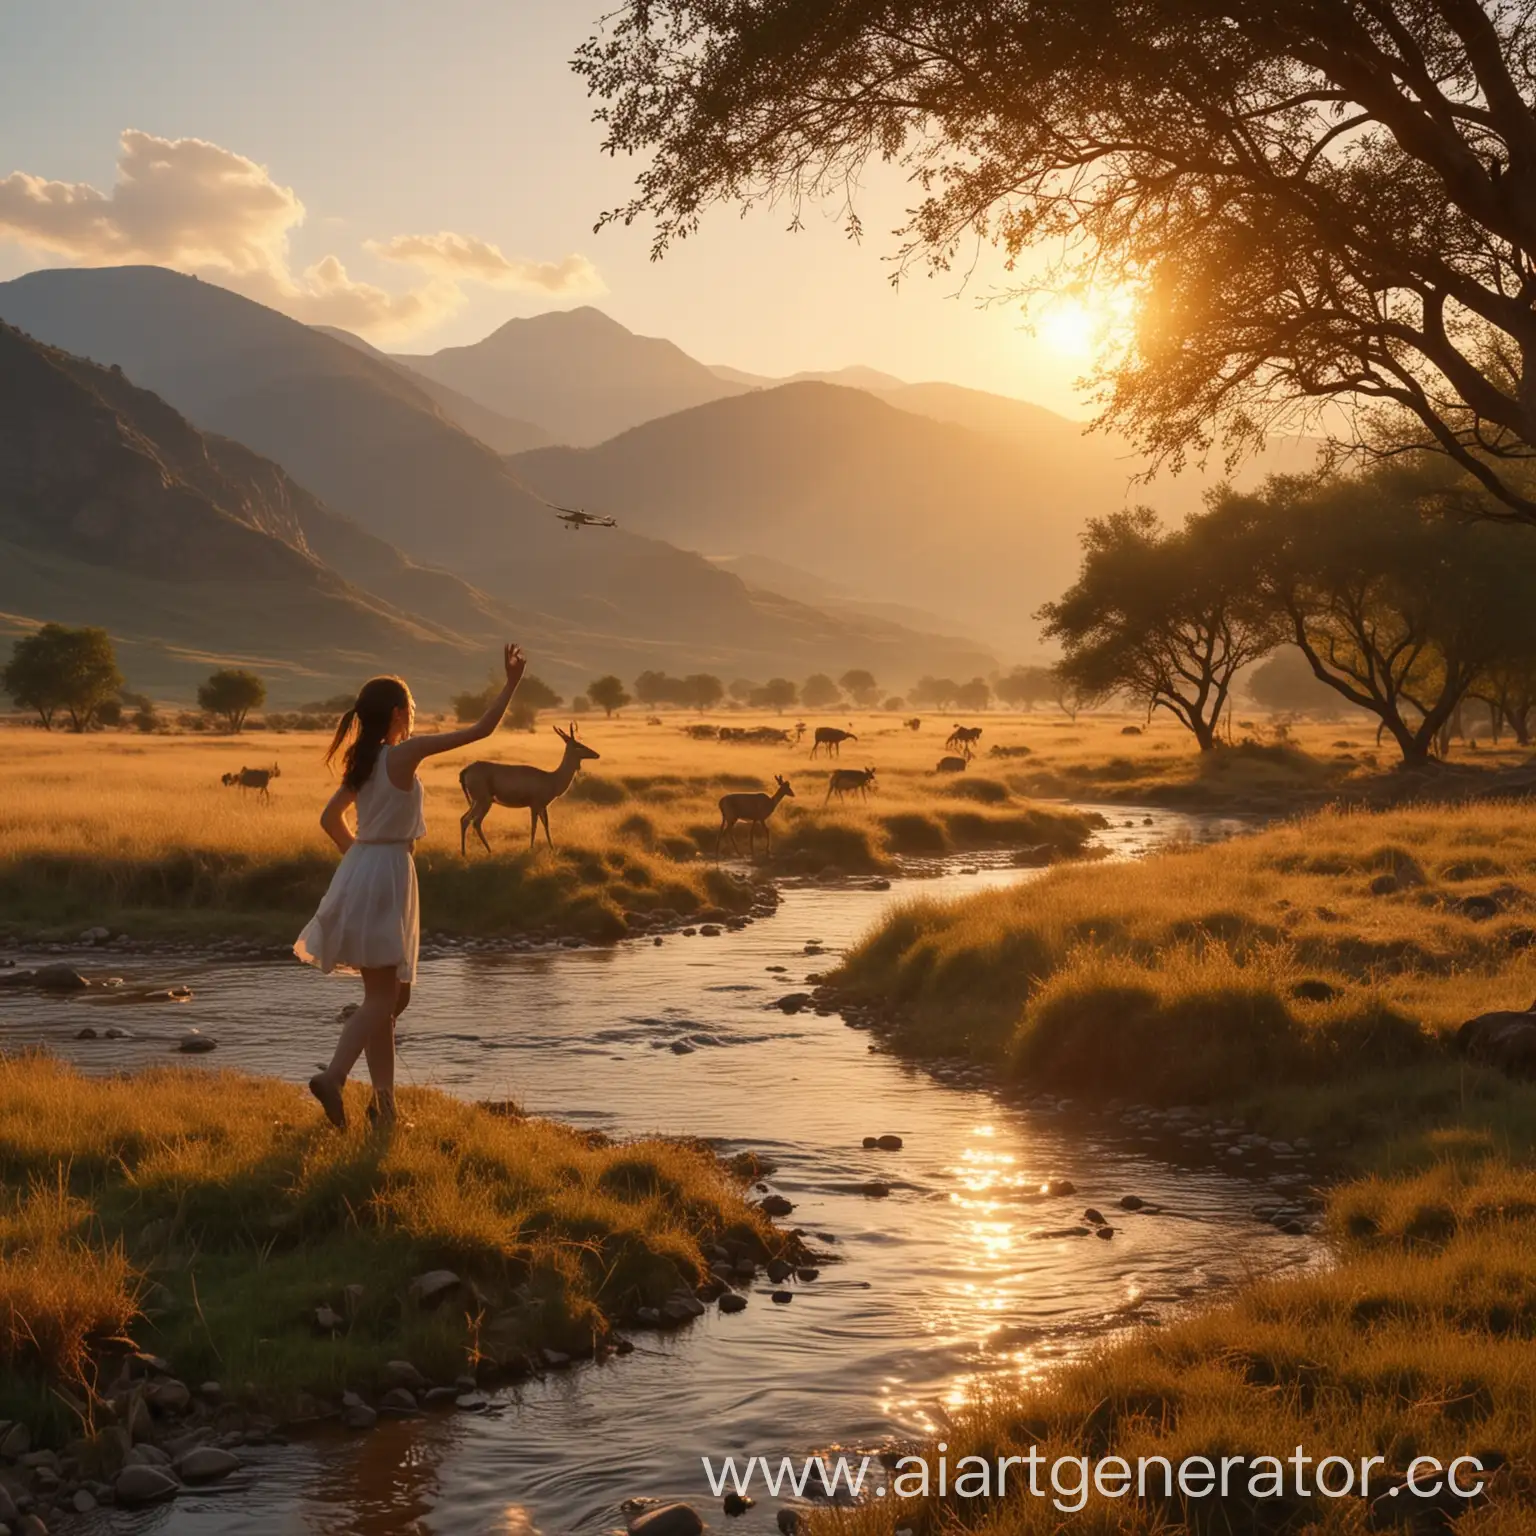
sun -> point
(1083, 326)
(1068, 327)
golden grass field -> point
(139, 832)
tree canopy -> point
(607, 693)
(1306, 201)
(1397, 607)
(819, 692)
(1027, 686)
(860, 686)
(73, 670)
(777, 694)
(230, 694)
(1169, 619)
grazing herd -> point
(524, 787)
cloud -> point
(464, 257)
(198, 207)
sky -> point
(423, 173)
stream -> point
(925, 1295)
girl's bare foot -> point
(330, 1100)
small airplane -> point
(574, 518)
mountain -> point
(504, 434)
(374, 447)
(856, 377)
(192, 550)
(878, 502)
(580, 375)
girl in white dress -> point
(369, 921)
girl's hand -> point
(514, 661)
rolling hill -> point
(373, 447)
(577, 373)
(504, 434)
(192, 550)
(882, 504)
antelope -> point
(259, 779)
(842, 780)
(832, 739)
(914, 724)
(520, 787)
(951, 765)
(754, 809)
(963, 738)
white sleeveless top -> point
(386, 814)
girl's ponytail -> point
(370, 716)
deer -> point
(832, 739)
(963, 738)
(754, 809)
(520, 787)
(841, 781)
(259, 779)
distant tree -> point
(1066, 695)
(608, 694)
(1508, 688)
(820, 692)
(109, 713)
(73, 670)
(1026, 686)
(581, 705)
(230, 694)
(860, 686)
(742, 689)
(1169, 619)
(894, 703)
(974, 695)
(1285, 684)
(468, 707)
(145, 720)
(1397, 607)
(533, 694)
(703, 690)
(653, 688)
(934, 692)
(777, 694)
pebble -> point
(779, 1269)
(889, 1143)
(1094, 1217)
(667, 1520)
(144, 1485)
(731, 1301)
(807, 1273)
(783, 1298)
(207, 1463)
(1131, 1202)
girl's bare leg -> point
(380, 987)
(379, 1050)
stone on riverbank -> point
(732, 1301)
(196, 1043)
(433, 1288)
(139, 1484)
(207, 1463)
(668, 1520)
(776, 1205)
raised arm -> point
(409, 755)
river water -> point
(925, 1295)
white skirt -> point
(371, 915)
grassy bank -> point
(207, 1221)
(1335, 942)
(140, 835)
(1311, 977)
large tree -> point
(1309, 201)
(1168, 619)
(73, 670)
(1397, 607)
